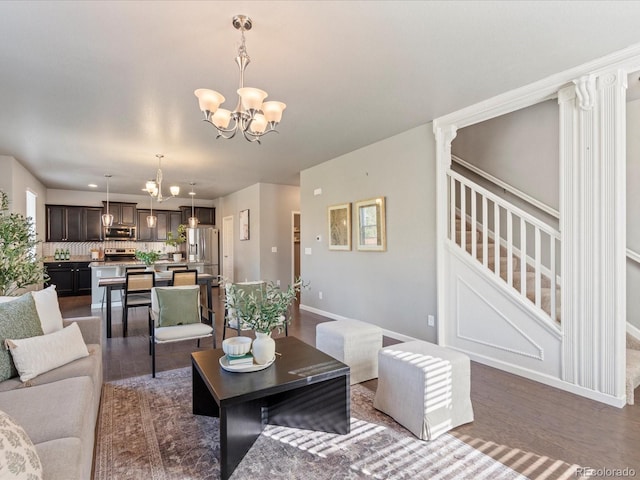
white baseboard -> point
(387, 333)
(545, 379)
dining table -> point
(162, 279)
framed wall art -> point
(371, 231)
(244, 224)
(339, 222)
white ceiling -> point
(88, 88)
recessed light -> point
(92, 185)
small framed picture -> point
(371, 229)
(339, 222)
(244, 224)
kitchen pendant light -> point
(152, 220)
(107, 218)
(193, 220)
(252, 116)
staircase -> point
(507, 243)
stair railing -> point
(507, 241)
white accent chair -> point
(424, 387)
(354, 343)
(168, 325)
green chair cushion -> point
(18, 319)
(178, 306)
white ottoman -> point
(352, 342)
(424, 387)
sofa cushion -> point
(54, 410)
(18, 456)
(18, 319)
(36, 355)
(62, 459)
(48, 309)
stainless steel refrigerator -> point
(202, 246)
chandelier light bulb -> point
(253, 117)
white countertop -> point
(136, 262)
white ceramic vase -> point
(177, 257)
(264, 348)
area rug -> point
(146, 430)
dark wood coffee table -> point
(303, 388)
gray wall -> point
(270, 208)
(276, 204)
(395, 289)
(520, 148)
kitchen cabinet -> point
(205, 215)
(70, 278)
(73, 224)
(124, 213)
(64, 223)
(93, 224)
(163, 225)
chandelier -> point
(154, 187)
(193, 220)
(251, 116)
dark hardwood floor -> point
(525, 425)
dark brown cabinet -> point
(74, 224)
(66, 223)
(70, 278)
(124, 214)
(205, 215)
(168, 221)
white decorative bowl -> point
(236, 346)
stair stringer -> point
(491, 324)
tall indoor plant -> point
(20, 265)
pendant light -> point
(152, 220)
(107, 218)
(193, 220)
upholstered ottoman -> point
(352, 342)
(424, 387)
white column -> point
(444, 136)
(592, 223)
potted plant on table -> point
(263, 310)
(20, 266)
(148, 258)
(177, 240)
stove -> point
(119, 254)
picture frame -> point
(371, 233)
(339, 224)
(244, 224)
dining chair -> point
(176, 314)
(121, 290)
(184, 277)
(137, 293)
(177, 267)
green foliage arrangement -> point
(20, 266)
(179, 239)
(149, 258)
(263, 310)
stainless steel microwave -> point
(120, 233)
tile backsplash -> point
(84, 248)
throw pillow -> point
(178, 306)
(48, 309)
(18, 456)
(18, 319)
(36, 355)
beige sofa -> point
(59, 409)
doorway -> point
(227, 248)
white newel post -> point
(444, 136)
(592, 222)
